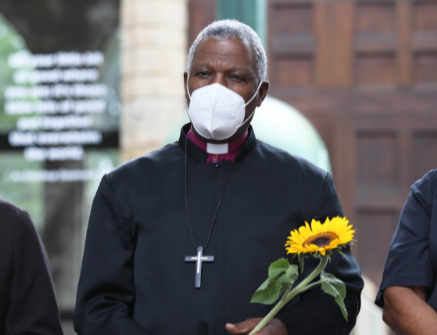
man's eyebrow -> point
(241, 69)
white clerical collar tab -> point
(217, 149)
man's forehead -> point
(230, 52)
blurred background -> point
(88, 84)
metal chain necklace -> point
(200, 258)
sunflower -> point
(320, 237)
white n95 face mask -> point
(217, 112)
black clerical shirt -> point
(134, 278)
(412, 259)
(27, 298)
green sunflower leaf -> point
(291, 274)
(268, 292)
(282, 276)
(301, 261)
(335, 287)
(290, 277)
(278, 268)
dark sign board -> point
(59, 119)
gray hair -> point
(233, 29)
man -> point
(27, 297)
(180, 239)
(408, 289)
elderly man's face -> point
(230, 63)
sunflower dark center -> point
(321, 240)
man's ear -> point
(262, 92)
(185, 84)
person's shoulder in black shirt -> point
(408, 288)
(27, 303)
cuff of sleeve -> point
(318, 313)
(407, 279)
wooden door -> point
(365, 73)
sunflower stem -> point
(311, 285)
(285, 294)
(303, 286)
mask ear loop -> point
(188, 91)
(244, 106)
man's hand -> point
(274, 327)
(406, 311)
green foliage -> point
(29, 196)
(10, 43)
(277, 268)
(335, 287)
(290, 276)
(301, 258)
(282, 276)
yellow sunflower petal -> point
(303, 231)
(320, 237)
(316, 227)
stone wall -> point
(154, 50)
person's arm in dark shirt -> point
(32, 303)
(408, 275)
(315, 312)
(106, 293)
(406, 311)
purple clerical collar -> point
(218, 152)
